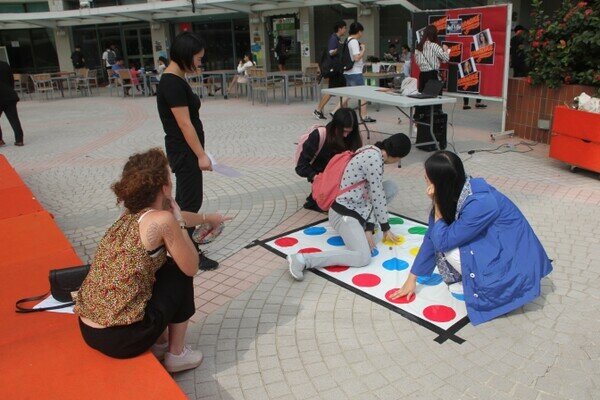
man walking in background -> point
(333, 66)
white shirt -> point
(429, 59)
(354, 48)
(105, 58)
(242, 69)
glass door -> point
(138, 46)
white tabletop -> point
(374, 95)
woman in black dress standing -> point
(178, 107)
(8, 103)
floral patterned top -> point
(121, 277)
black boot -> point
(206, 264)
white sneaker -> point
(159, 350)
(296, 267)
(188, 359)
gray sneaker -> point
(296, 267)
(188, 359)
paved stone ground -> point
(266, 336)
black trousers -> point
(172, 302)
(424, 77)
(10, 109)
(188, 182)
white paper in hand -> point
(221, 168)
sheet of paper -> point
(51, 302)
(222, 168)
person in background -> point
(405, 55)
(337, 79)
(354, 214)
(109, 58)
(281, 52)
(77, 58)
(517, 52)
(8, 103)
(481, 243)
(178, 108)
(163, 63)
(242, 70)
(354, 76)
(392, 54)
(135, 76)
(139, 292)
(478, 104)
(342, 134)
(429, 55)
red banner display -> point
(477, 39)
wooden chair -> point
(197, 83)
(309, 82)
(93, 78)
(81, 81)
(21, 84)
(260, 82)
(43, 84)
(125, 81)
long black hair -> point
(342, 119)
(446, 172)
(430, 33)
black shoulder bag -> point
(62, 282)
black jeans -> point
(172, 302)
(424, 77)
(13, 118)
(188, 177)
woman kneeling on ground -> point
(342, 134)
(481, 243)
(134, 292)
(354, 213)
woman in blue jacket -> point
(477, 236)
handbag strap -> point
(25, 310)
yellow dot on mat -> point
(400, 240)
(414, 251)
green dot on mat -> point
(396, 221)
(418, 230)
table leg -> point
(437, 145)
(286, 80)
(224, 87)
(362, 120)
(411, 124)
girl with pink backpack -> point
(318, 146)
(360, 204)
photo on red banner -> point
(482, 39)
(471, 24)
(444, 77)
(469, 83)
(484, 55)
(420, 35)
(453, 26)
(439, 21)
(455, 51)
(467, 67)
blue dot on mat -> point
(315, 231)
(374, 252)
(395, 264)
(458, 296)
(431, 280)
(335, 241)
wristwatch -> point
(181, 223)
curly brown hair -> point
(142, 179)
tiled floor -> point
(266, 336)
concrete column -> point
(307, 36)
(369, 18)
(160, 40)
(61, 39)
(259, 41)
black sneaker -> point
(312, 205)
(319, 114)
(369, 120)
(467, 107)
(480, 105)
(206, 264)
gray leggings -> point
(357, 252)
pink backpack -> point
(326, 185)
(304, 138)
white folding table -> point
(376, 95)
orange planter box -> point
(576, 138)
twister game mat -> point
(434, 305)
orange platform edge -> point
(43, 355)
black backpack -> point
(328, 65)
(347, 61)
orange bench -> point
(43, 355)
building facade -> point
(39, 36)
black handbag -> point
(63, 282)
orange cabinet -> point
(576, 138)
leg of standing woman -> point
(188, 185)
(13, 118)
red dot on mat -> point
(399, 300)
(366, 280)
(439, 313)
(337, 268)
(307, 250)
(286, 242)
